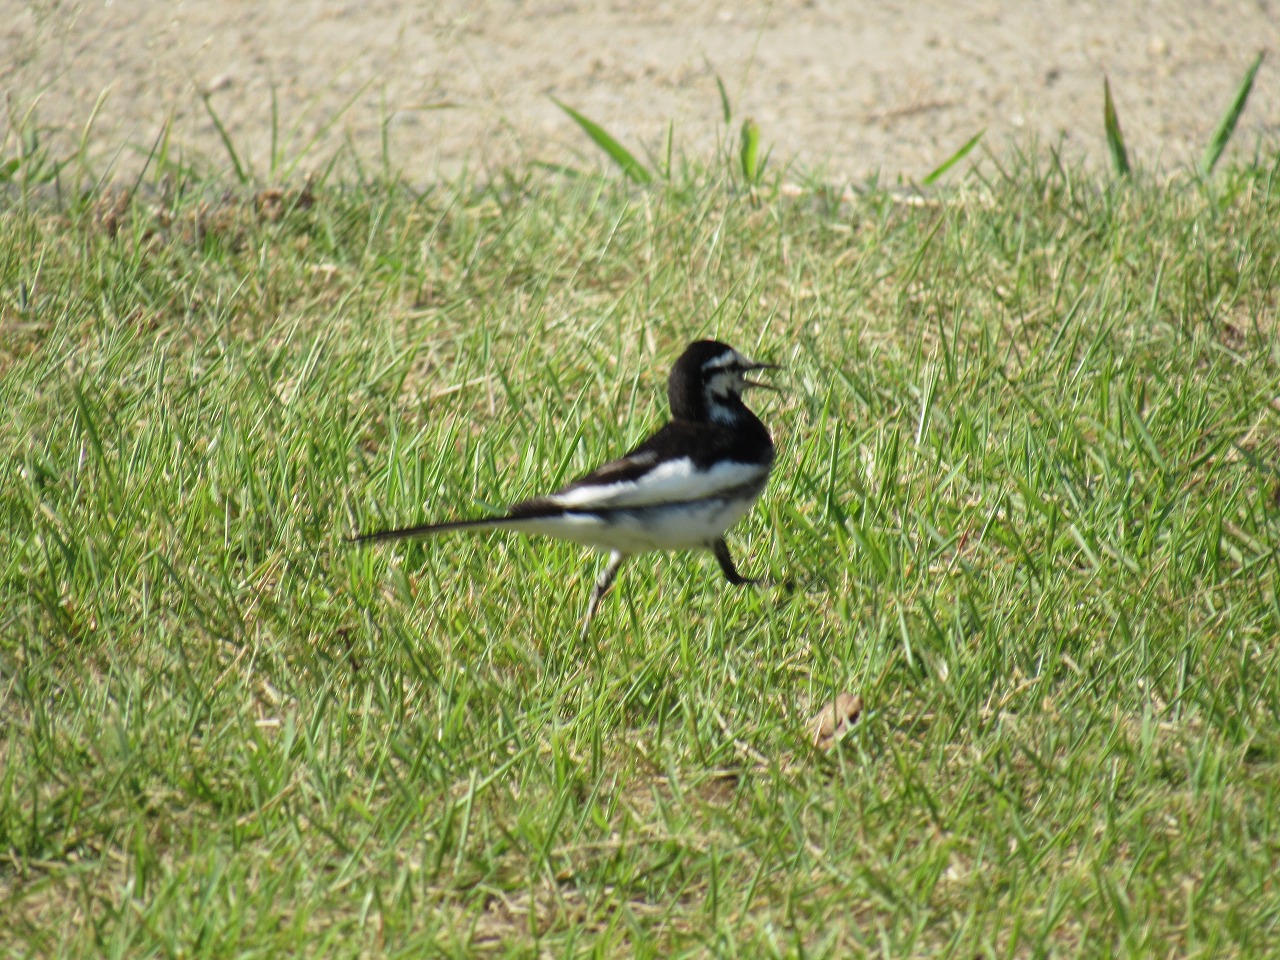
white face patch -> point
(725, 375)
(730, 358)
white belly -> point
(685, 526)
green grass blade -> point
(561, 169)
(1115, 139)
(273, 161)
(1227, 126)
(671, 137)
(750, 152)
(241, 174)
(725, 109)
(620, 155)
(323, 129)
(82, 151)
(939, 171)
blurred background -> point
(848, 90)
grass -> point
(1027, 480)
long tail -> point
(427, 529)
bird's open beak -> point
(757, 383)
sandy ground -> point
(849, 88)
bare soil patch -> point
(849, 88)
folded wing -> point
(657, 481)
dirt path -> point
(851, 87)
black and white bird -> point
(681, 489)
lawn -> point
(1027, 487)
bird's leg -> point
(721, 550)
(602, 586)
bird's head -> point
(708, 381)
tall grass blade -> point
(750, 151)
(384, 135)
(620, 155)
(671, 137)
(323, 129)
(724, 100)
(241, 174)
(1227, 126)
(939, 171)
(274, 162)
(33, 161)
(562, 169)
(156, 155)
(82, 150)
(1115, 139)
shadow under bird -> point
(681, 489)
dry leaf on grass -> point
(835, 718)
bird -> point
(682, 488)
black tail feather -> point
(428, 529)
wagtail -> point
(681, 489)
